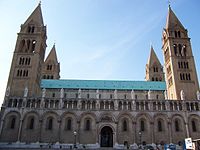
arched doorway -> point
(106, 137)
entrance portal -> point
(106, 137)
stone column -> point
(40, 130)
(152, 132)
(134, 132)
(59, 129)
(187, 130)
(78, 126)
(1, 126)
(20, 129)
(170, 132)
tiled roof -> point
(103, 84)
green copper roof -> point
(103, 84)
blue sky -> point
(98, 39)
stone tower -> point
(28, 58)
(154, 69)
(51, 67)
(181, 76)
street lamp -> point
(140, 136)
(75, 133)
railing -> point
(103, 104)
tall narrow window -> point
(12, 123)
(142, 127)
(87, 125)
(135, 96)
(175, 49)
(179, 34)
(30, 123)
(124, 96)
(49, 123)
(124, 125)
(33, 45)
(69, 124)
(177, 128)
(159, 126)
(175, 34)
(180, 49)
(194, 128)
(53, 94)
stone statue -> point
(132, 94)
(62, 93)
(8, 91)
(25, 91)
(165, 93)
(97, 94)
(79, 93)
(43, 93)
(198, 95)
(182, 95)
(115, 94)
(149, 94)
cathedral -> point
(40, 110)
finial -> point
(40, 2)
(169, 4)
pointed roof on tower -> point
(172, 20)
(153, 58)
(52, 55)
(36, 16)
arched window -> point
(142, 126)
(12, 122)
(175, 49)
(88, 95)
(29, 29)
(124, 96)
(175, 33)
(160, 126)
(120, 105)
(49, 123)
(30, 123)
(87, 125)
(33, 46)
(28, 44)
(152, 79)
(32, 29)
(194, 128)
(177, 127)
(135, 96)
(125, 128)
(179, 34)
(179, 49)
(69, 124)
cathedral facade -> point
(40, 109)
